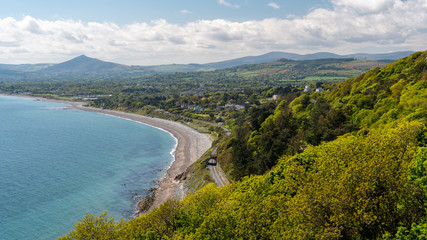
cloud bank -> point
(350, 26)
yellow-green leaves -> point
(396, 92)
(94, 227)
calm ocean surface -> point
(56, 165)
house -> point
(235, 107)
(319, 89)
(307, 88)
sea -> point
(57, 165)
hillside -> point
(84, 64)
(25, 67)
(380, 96)
(357, 171)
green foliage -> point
(272, 139)
(300, 103)
(306, 120)
(416, 232)
(418, 172)
(357, 186)
(396, 92)
(94, 227)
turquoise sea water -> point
(56, 165)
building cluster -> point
(307, 88)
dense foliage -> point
(263, 135)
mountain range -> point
(86, 65)
(273, 56)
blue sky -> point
(138, 32)
(131, 11)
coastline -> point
(191, 145)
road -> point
(215, 170)
(216, 173)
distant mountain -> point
(265, 58)
(8, 72)
(319, 55)
(274, 56)
(381, 56)
(25, 67)
(84, 64)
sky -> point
(140, 32)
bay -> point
(56, 165)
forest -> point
(346, 162)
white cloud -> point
(343, 29)
(185, 11)
(365, 5)
(273, 5)
(227, 4)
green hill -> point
(354, 167)
(396, 92)
(84, 64)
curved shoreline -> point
(191, 145)
(172, 152)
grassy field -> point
(313, 70)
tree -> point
(94, 227)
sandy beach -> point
(191, 146)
